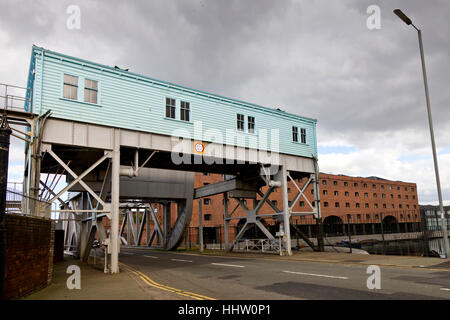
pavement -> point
(96, 285)
(159, 275)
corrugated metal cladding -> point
(131, 101)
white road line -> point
(151, 257)
(228, 265)
(445, 289)
(316, 275)
(181, 260)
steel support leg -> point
(115, 189)
(286, 212)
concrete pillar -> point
(115, 193)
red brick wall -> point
(407, 191)
(29, 254)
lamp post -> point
(408, 21)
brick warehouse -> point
(363, 200)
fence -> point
(404, 232)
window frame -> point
(240, 121)
(71, 85)
(303, 135)
(90, 90)
(170, 107)
(251, 129)
(295, 134)
(185, 111)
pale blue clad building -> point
(89, 92)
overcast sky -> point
(313, 58)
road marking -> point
(128, 253)
(155, 284)
(153, 257)
(316, 275)
(445, 289)
(228, 265)
(181, 260)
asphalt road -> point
(258, 279)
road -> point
(223, 278)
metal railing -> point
(13, 97)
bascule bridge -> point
(120, 140)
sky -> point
(318, 59)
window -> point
(384, 205)
(347, 193)
(392, 206)
(399, 196)
(406, 196)
(206, 173)
(398, 188)
(374, 186)
(366, 205)
(207, 201)
(347, 204)
(356, 194)
(289, 190)
(336, 193)
(366, 195)
(383, 195)
(382, 186)
(368, 216)
(335, 183)
(357, 205)
(355, 184)
(324, 182)
(240, 122)
(400, 206)
(303, 135)
(336, 204)
(376, 205)
(295, 134)
(345, 184)
(207, 217)
(358, 216)
(251, 124)
(275, 202)
(312, 191)
(406, 189)
(90, 91)
(392, 196)
(70, 89)
(302, 203)
(170, 108)
(365, 185)
(375, 195)
(412, 189)
(325, 192)
(325, 204)
(184, 111)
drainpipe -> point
(5, 133)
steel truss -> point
(252, 216)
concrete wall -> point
(29, 254)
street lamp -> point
(408, 21)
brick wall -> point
(29, 254)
